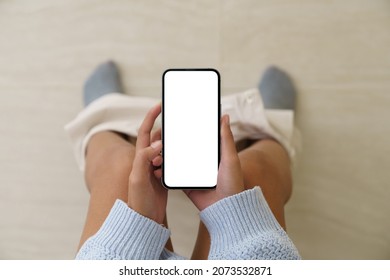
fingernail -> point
(155, 144)
(227, 120)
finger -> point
(144, 157)
(158, 173)
(143, 139)
(157, 161)
(156, 135)
(154, 150)
(228, 146)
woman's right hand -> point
(146, 195)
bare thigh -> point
(266, 164)
(109, 160)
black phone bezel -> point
(162, 123)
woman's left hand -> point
(146, 194)
(230, 179)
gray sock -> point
(277, 89)
(103, 80)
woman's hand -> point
(146, 195)
(230, 179)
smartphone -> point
(190, 128)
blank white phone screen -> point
(190, 128)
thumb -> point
(228, 146)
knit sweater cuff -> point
(130, 235)
(239, 217)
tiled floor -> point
(336, 51)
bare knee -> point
(274, 179)
(267, 171)
(109, 167)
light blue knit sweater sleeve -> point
(125, 234)
(240, 226)
(243, 227)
